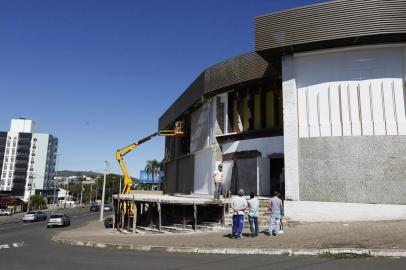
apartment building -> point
(27, 160)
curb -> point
(239, 251)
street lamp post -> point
(55, 179)
(104, 191)
(29, 199)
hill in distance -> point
(67, 173)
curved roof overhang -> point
(330, 25)
(243, 69)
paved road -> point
(30, 247)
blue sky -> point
(99, 73)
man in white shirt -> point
(238, 204)
(218, 182)
(253, 205)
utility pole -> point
(103, 192)
(97, 187)
(29, 199)
(81, 194)
(91, 186)
(66, 192)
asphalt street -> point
(29, 246)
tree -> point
(38, 202)
(153, 167)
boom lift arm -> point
(176, 132)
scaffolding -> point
(160, 213)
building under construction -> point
(317, 111)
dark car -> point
(94, 208)
(35, 216)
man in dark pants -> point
(238, 204)
(253, 205)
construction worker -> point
(218, 182)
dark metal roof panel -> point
(236, 70)
(240, 69)
(330, 21)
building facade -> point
(27, 160)
(317, 111)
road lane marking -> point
(15, 245)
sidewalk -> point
(315, 238)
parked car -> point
(34, 216)
(5, 212)
(108, 208)
(108, 222)
(94, 208)
(58, 220)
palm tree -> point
(153, 168)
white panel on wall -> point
(204, 163)
(302, 113)
(391, 125)
(324, 110)
(266, 145)
(351, 92)
(335, 106)
(365, 107)
(400, 106)
(355, 113)
(313, 111)
(377, 106)
(345, 110)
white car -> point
(4, 212)
(58, 220)
(34, 216)
(108, 208)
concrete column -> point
(135, 217)
(290, 128)
(195, 215)
(159, 216)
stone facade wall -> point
(361, 169)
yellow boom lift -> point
(176, 132)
